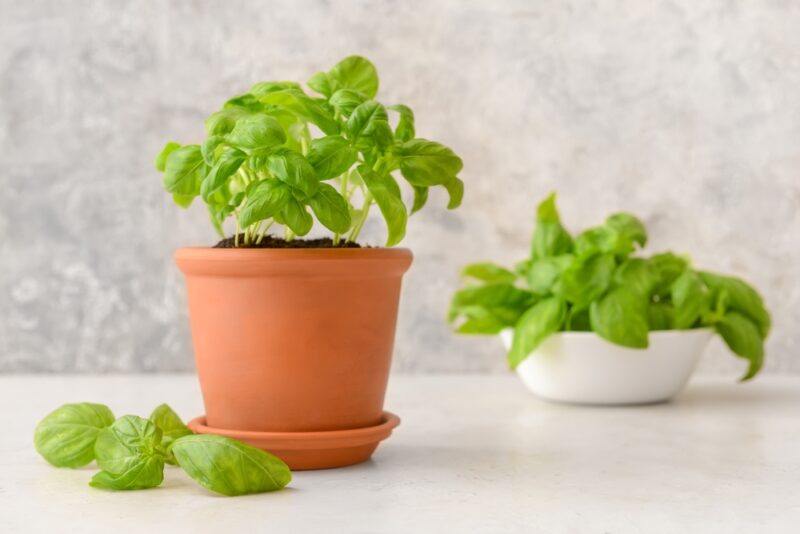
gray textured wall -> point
(685, 112)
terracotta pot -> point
(293, 340)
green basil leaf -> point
(667, 267)
(171, 427)
(331, 208)
(660, 316)
(549, 237)
(636, 274)
(535, 325)
(363, 120)
(331, 156)
(229, 162)
(66, 436)
(689, 298)
(130, 453)
(356, 73)
(741, 297)
(257, 132)
(261, 89)
(223, 121)
(586, 280)
(304, 107)
(184, 171)
(488, 272)
(578, 320)
(488, 321)
(455, 188)
(420, 198)
(346, 100)
(405, 126)
(599, 239)
(266, 199)
(161, 159)
(426, 163)
(543, 273)
(293, 169)
(246, 101)
(494, 295)
(743, 337)
(320, 82)
(621, 317)
(209, 148)
(229, 467)
(296, 217)
(629, 228)
(386, 193)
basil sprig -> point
(594, 282)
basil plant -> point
(597, 282)
(275, 152)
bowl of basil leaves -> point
(591, 319)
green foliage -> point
(131, 451)
(597, 283)
(263, 163)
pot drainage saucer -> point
(311, 450)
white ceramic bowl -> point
(582, 367)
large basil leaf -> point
(229, 162)
(257, 132)
(405, 126)
(331, 208)
(130, 454)
(426, 163)
(66, 436)
(690, 299)
(549, 237)
(171, 427)
(586, 280)
(229, 467)
(621, 317)
(386, 193)
(356, 73)
(296, 217)
(536, 324)
(741, 297)
(743, 337)
(488, 272)
(293, 169)
(184, 171)
(331, 156)
(264, 200)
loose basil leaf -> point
(621, 317)
(741, 297)
(385, 191)
(257, 132)
(171, 427)
(667, 267)
(229, 162)
(229, 467)
(66, 436)
(742, 336)
(543, 273)
(488, 272)
(426, 163)
(629, 227)
(405, 126)
(346, 100)
(549, 237)
(265, 200)
(356, 73)
(130, 453)
(536, 324)
(586, 280)
(455, 188)
(689, 298)
(161, 159)
(295, 170)
(636, 274)
(365, 117)
(660, 316)
(420, 198)
(331, 156)
(296, 217)
(184, 171)
(331, 208)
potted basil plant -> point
(589, 319)
(293, 337)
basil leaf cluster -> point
(595, 281)
(131, 451)
(276, 152)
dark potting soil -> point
(279, 242)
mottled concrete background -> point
(685, 112)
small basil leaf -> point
(171, 427)
(535, 325)
(293, 169)
(223, 121)
(629, 227)
(549, 237)
(386, 193)
(426, 163)
(455, 188)
(621, 317)
(296, 217)
(363, 120)
(266, 199)
(331, 156)
(161, 159)
(321, 84)
(229, 162)
(356, 73)
(331, 208)
(405, 126)
(229, 467)
(743, 337)
(66, 436)
(346, 100)
(420, 198)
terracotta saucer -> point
(312, 450)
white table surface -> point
(473, 454)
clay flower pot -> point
(293, 347)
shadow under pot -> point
(293, 347)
